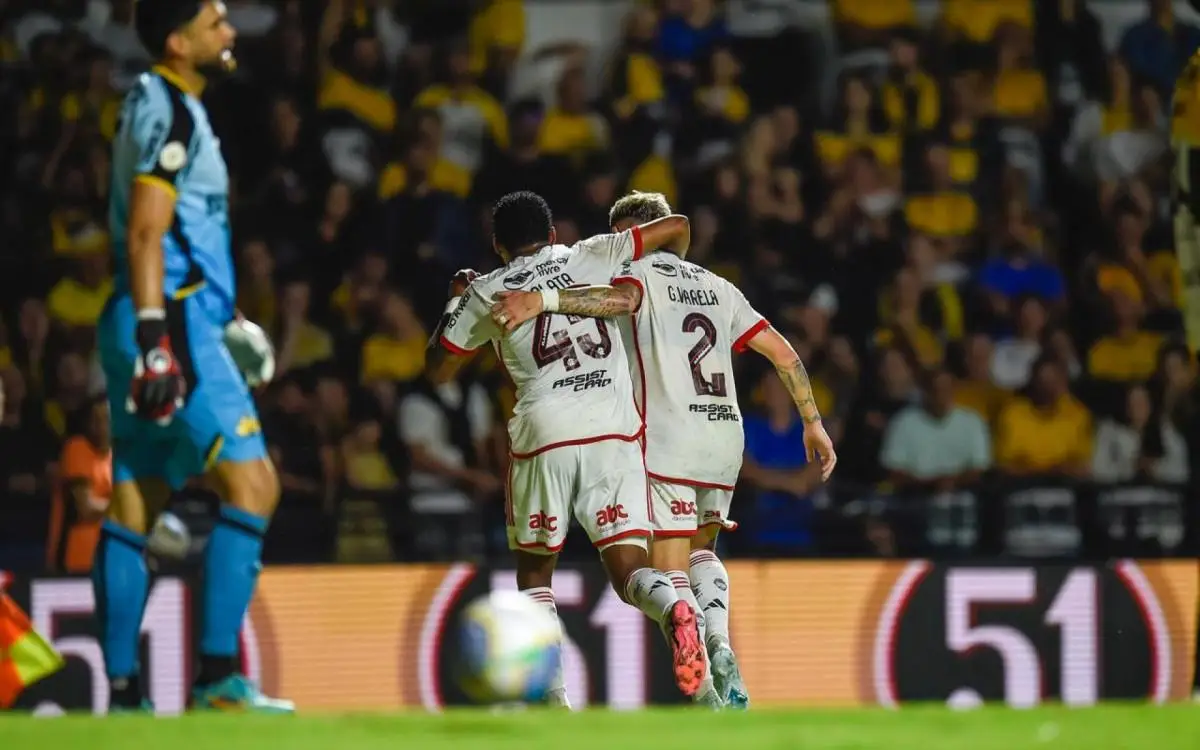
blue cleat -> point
(728, 678)
(237, 693)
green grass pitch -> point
(1110, 727)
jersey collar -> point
(175, 80)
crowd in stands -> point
(966, 237)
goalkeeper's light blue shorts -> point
(218, 421)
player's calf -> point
(650, 590)
(710, 582)
(534, 575)
(231, 567)
(670, 554)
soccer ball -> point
(170, 538)
(251, 351)
(509, 649)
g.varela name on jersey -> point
(571, 373)
(681, 343)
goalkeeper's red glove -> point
(158, 386)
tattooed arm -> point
(601, 301)
(790, 369)
(769, 343)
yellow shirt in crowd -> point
(1125, 359)
(1034, 440)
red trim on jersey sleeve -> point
(744, 339)
(688, 482)
(454, 348)
(581, 441)
(636, 232)
(633, 282)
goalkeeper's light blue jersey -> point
(165, 138)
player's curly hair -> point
(641, 207)
(155, 20)
(521, 219)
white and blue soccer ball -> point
(251, 350)
(509, 649)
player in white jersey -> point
(686, 324)
(575, 432)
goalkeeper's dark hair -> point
(155, 20)
(521, 219)
(643, 208)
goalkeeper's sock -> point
(557, 695)
(121, 582)
(231, 566)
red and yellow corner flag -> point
(25, 657)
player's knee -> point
(621, 558)
(253, 487)
(535, 570)
(671, 553)
(706, 538)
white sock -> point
(710, 582)
(650, 591)
(683, 589)
(557, 696)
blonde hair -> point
(641, 207)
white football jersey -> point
(571, 373)
(683, 335)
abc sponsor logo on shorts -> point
(543, 523)
(681, 509)
(612, 516)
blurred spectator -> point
(975, 23)
(76, 301)
(364, 531)
(1127, 353)
(911, 98)
(471, 117)
(902, 324)
(299, 341)
(1019, 93)
(28, 471)
(1142, 445)
(941, 210)
(895, 388)
(862, 23)
(571, 128)
(1013, 357)
(1048, 433)
(1070, 51)
(306, 464)
(523, 166)
(686, 35)
(69, 391)
(1158, 46)
(936, 446)
(396, 352)
(1119, 136)
(781, 515)
(976, 390)
(448, 430)
(81, 499)
(497, 36)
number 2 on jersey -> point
(549, 346)
(708, 340)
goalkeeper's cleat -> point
(237, 693)
(727, 677)
(687, 651)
